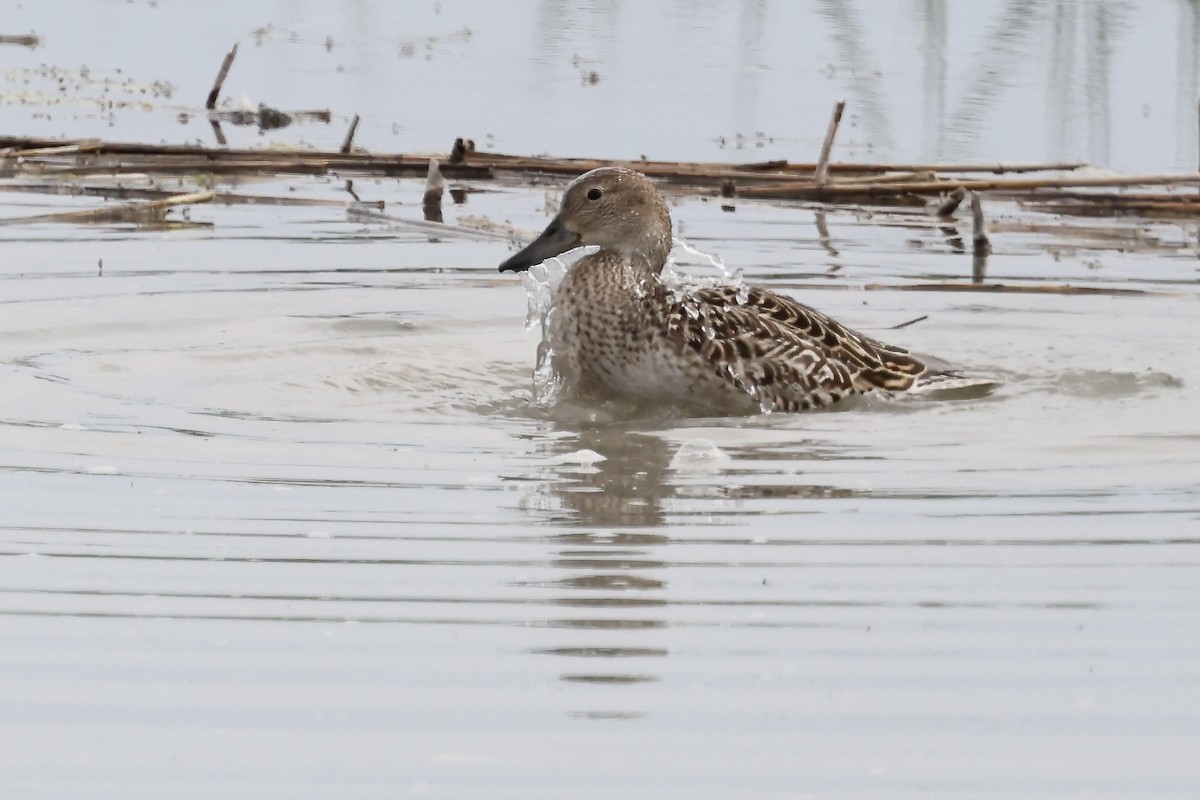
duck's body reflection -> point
(614, 563)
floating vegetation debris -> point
(1039, 198)
(30, 40)
(151, 211)
(1069, 187)
(264, 116)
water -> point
(1111, 82)
(281, 516)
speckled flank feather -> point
(799, 357)
(617, 330)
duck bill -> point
(555, 240)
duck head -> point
(616, 209)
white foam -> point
(583, 458)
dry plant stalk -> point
(979, 237)
(222, 73)
(348, 142)
(821, 172)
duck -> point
(618, 330)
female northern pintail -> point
(617, 330)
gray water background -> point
(278, 517)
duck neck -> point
(651, 250)
(645, 262)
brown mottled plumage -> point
(617, 330)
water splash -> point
(712, 259)
(744, 381)
(541, 282)
(682, 285)
(547, 383)
(743, 294)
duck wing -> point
(785, 354)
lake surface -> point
(280, 517)
(1110, 82)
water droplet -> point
(743, 294)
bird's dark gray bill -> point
(555, 240)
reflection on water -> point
(626, 489)
(933, 85)
(1003, 56)
(1076, 116)
(646, 480)
(613, 586)
(862, 71)
(979, 70)
(1187, 70)
(992, 69)
(751, 30)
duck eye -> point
(594, 194)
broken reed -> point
(872, 183)
(148, 157)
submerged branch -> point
(152, 210)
